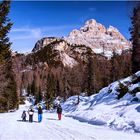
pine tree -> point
(57, 88)
(33, 87)
(29, 89)
(88, 84)
(50, 88)
(38, 95)
(66, 86)
(113, 69)
(135, 38)
(8, 83)
(11, 88)
(5, 26)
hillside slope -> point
(115, 106)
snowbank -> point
(105, 108)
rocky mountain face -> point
(88, 58)
(101, 40)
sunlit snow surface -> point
(52, 129)
(105, 109)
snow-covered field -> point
(99, 117)
(52, 129)
(105, 109)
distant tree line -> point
(135, 38)
(90, 74)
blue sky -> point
(34, 20)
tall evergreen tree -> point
(57, 88)
(9, 87)
(135, 38)
(88, 84)
(33, 87)
(50, 87)
(113, 68)
(66, 86)
(29, 89)
(5, 26)
(38, 96)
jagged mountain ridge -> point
(99, 39)
(92, 34)
(67, 53)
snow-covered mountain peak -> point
(98, 38)
(74, 33)
(111, 28)
(114, 32)
(93, 26)
(91, 22)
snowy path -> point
(52, 129)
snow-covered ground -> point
(11, 128)
(98, 117)
(105, 109)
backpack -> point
(59, 109)
(31, 112)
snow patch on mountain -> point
(62, 47)
(67, 60)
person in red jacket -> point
(59, 111)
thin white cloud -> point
(22, 29)
(46, 28)
(36, 32)
(26, 33)
(92, 9)
(24, 38)
(60, 27)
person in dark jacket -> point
(23, 116)
(40, 112)
(59, 111)
(31, 113)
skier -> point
(40, 112)
(30, 112)
(23, 116)
(59, 111)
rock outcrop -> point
(99, 39)
(94, 35)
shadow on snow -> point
(26, 121)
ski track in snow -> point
(52, 129)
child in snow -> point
(40, 112)
(23, 116)
(30, 112)
(59, 111)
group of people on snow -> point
(40, 112)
